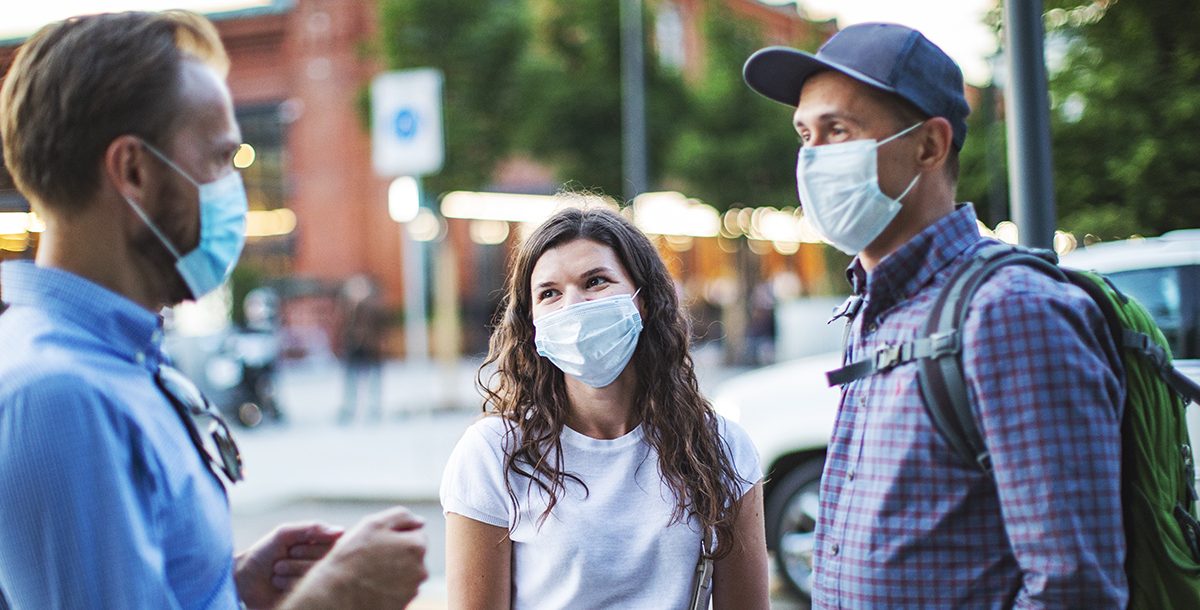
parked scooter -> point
(239, 378)
(235, 366)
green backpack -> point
(1157, 470)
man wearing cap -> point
(904, 522)
(120, 130)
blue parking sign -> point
(406, 123)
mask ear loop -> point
(893, 137)
(910, 187)
(900, 133)
(153, 228)
(171, 163)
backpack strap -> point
(891, 355)
(1156, 355)
(938, 353)
(940, 377)
(848, 309)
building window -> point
(263, 163)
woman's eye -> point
(596, 281)
(545, 294)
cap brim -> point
(779, 73)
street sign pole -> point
(416, 332)
(633, 100)
(406, 140)
(1030, 169)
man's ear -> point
(937, 137)
(125, 167)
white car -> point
(789, 411)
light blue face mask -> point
(591, 341)
(223, 209)
(839, 191)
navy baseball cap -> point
(887, 56)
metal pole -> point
(1030, 169)
(416, 339)
(633, 100)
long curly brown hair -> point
(530, 394)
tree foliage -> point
(571, 95)
(1125, 101)
(543, 78)
(734, 147)
(478, 45)
(1126, 108)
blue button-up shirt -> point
(104, 501)
(904, 522)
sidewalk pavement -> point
(396, 457)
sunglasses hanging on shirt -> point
(218, 449)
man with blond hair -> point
(119, 128)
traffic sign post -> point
(406, 123)
(406, 140)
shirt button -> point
(850, 475)
(140, 358)
(156, 337)
(872, 327)
(834, 549)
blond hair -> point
(77, 84)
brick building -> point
(298, 77)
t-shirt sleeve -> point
(473, 481)
(77, 508)
(744, 454)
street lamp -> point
(404, 199)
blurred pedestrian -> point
(904, 521)
(599, 476)
(363, 328)
(760, 329)
(120, 130)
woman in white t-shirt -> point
(598, 465)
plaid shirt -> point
(904, 522)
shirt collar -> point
(905, 271)
(125, 326)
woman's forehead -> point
(573, 258)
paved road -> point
(313, 468)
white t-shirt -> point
(610, 546)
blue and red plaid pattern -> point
(904, 522)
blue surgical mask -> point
(839, 191)
(222, 230)
(591, 341)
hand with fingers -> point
(379, 563)
(268, 570)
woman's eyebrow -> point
(595, 270)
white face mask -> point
(591, 341)
(839, 190)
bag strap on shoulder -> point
(938, 352)
(940, 378)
